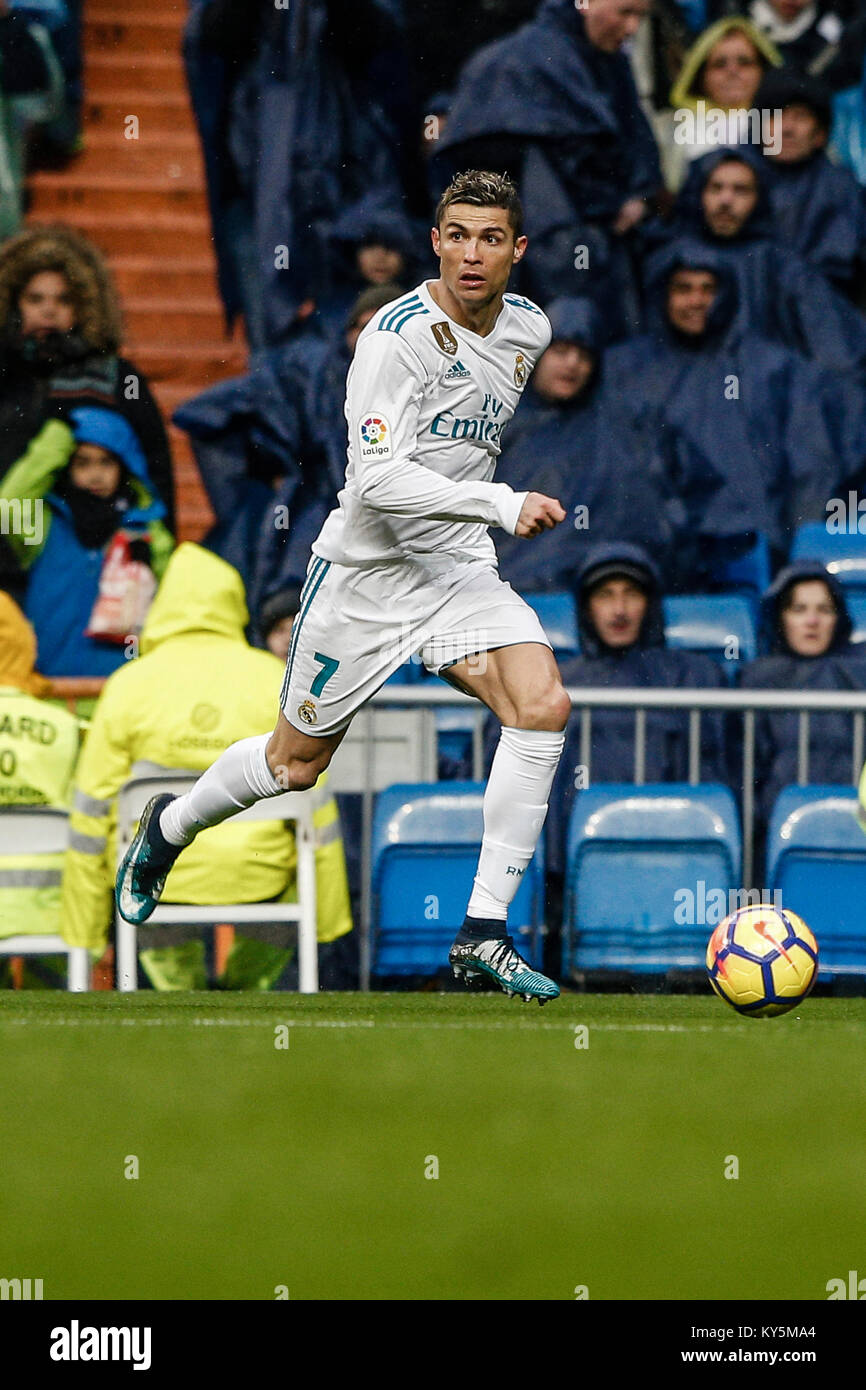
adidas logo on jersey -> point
(457, 372)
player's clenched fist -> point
(539, 513)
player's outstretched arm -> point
(538, 513)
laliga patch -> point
(374, 437)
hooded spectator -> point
(555, 105)
(78, 488)
(720, 77)
(292, 106)
(754, 438)
(271, 450)
(806, 34)
(563, 443)
(725, 204)
(622, 644)
(818, 206)
(807, 639)
(371, 246)
(60, 332)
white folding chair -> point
(383, 746)
(39, 830)
(289, 806)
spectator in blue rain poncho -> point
(555, 105)
(819, 208)
(564, 443)
(725, 204)
(754, 437)
(807, 642)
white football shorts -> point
(355, 626)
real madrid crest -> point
(445, 338)
(307, 712)
(520, 371)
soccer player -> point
(405, 564)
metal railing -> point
(696, 702)
(693, 701)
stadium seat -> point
(293, 806)
(36, 830)
(856, 602)
(644, 868)
(380, 740)
(425, 847)
(558, 616)
(843, 554)
(750, 574)
(709, 623)
(816, 859)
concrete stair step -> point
(146, 277)
(141, 34)
(199, 366)
(137, 72)
(176, 320)
(56, 194)
(162, 235)
(159, 157)
(113, 12)
(158, 112)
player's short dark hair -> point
(484, 190)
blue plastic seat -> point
(749, 574)
(710, 623)
(558, 616)
(856, 601)
(649, 873)
(425, 844)
(843, 554)
(816, 857)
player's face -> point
(616, 609)
(690, 295)
(610, 22)
(802, 134)
(562, 371)
(46, 305)
(809, 619)
(477, 249)
(729, 198)
(732, 72)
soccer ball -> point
(762, 960)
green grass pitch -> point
(311, 1167)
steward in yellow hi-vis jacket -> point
(196, 687)
(38, 752)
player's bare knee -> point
(548, 711)
(558, 709)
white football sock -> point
(239, 777)
(515, 807)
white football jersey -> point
(426, 404)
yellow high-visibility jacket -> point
(196, 688)
(38, 751)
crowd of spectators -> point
(692, 173)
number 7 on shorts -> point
(329, 667)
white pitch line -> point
(478, 1025)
